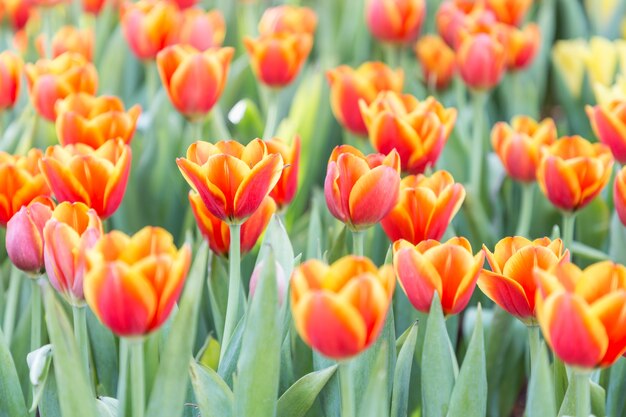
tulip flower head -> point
(200, 29)
(569, 57)
(619, 195)
(339, 309)
(510, 12)
(286, 187)
(481, 58)
(397, 21)
(148, 25)
(616, 92)
(437, 59)
(68, 39)
(521, 45)
(96, 6)
(457, 16)
(18, 12)
(184, 4)
(288, 18)
(609, 124)
(10, 79)
(24, 237)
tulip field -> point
(312, 208)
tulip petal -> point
(507, 293)
(256, 185)
(373, 196)
(418, 278)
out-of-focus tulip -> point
(194, 80)
(68, 39)
(481, 59)
(360, 190)
(609, 124)
(286, 187)
(619, 195)
(232, 179)
(510, 283)
(83, 118)
(148, 25)
(510, 12)
(457, 16)
(96, 6)
(425, 207)
(583, 313)
(217, 232)
(96, 177)
(519, 144)
(521, 45)
(24, 237)
(449, 268)
(18, 12)
(72, 230)
(397, 21)
(348, 86)
(601, 13)
(52, 80)
(132, 283)
(21, 184)
(569, 57)
(288, 18)
(616, 92)
(282, 280)
(573, 171)
(339, 309)
(184, 4)
(10, 79)
(601, 61)
(416, 130)
(277, 58)
(437, 59)
(200, 29)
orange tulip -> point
(457, 16)
(481, 59)
(519, 144)
(619, 194)
(609, 124)
(396, 21)
(132, 283)
(68, 39)
(10, 79)
(277, 58)
(573, 171)
(360, 190)
(521, 45)
(286, 187)
(200, 29)
(24, 236)
(510, 283)
(437, 59)
(72, 229)
(448, 268)
(425, 208)
(96, 177)
(52, 80)
(349, 86)
(232, 179)
(417, 130)
(22, 183)
(194, 80)
(582, 314)
(339, 309)
(510, 12)
(96, 6)
(288, 18)
(217, 232)
(148, 25)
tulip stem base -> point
(137, 378)
(122, 379)
(533, 343)
(523, 225)
(358, 239)
(79, 314)
(568, 229)
(583, 392)
(35, 305)
(346, 385)
(479, 98)
(10, 309)
(234, 286)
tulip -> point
(278, 57)
(18, 12)
(601, 13)
(96, 177)
(184, 4)
(71, 231)
(360, 190)
(68, 39)
(601, 61)
(510, 12)
(22, 183)
(24, 236)
(569, 57)
(232, 179)
(200, 29)
(437, 59)
(519, 145)
(416, 130)
(619, 195)
(457, 16)
(510, 283)
(521, 45)
(349, 86)
(609, 124)
(573, 171)
(52, 80)
(132, 283)
(425, 208)
(616, 92)
(194, 80)
(286, 187)
(339, 309)
(397, 21)
(82, 118)
(96, 6)
(288, 18)
(582, 314)
(481, 59)
(448, 268)
(10, 79)
(217, 232)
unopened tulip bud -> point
(24, 237)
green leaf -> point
(105, 356)
(217, 283)
(107, 407)
(215, 399)
(568, 407)
(228, 364)
(540, 401)
(299, 398)
(329, 396)
(277, 241)
(339, 246)
(170, 385)
(401, 379)
(375, 399)
(560, 380)
(11, 398)
(246, 117)
(209, 355)
(499, 335)
(617, 241)
(616, 400)
(314, 234)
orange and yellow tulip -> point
(96, 177)
(10, 79)
(425, 208)
(232, 179)
(83, 118)
(288, 18)
(52, 80)
(286, 187)
(619, 195)
(277, 58)
(457, 16)
(481, 59)
(519, 145)
(450, 269)
(68, 39)
(510, 12)
(217, 232)
(437, 59)
(582, 314)
(609, 124)
(71, 231)
(194, 80)
(200, 29)
(95, 6)
(573, 171)
(521, 45)
(148, 25)
(397, 21)
(510, 283)
(416, 130)
(339, 309)
(24, 236)
(348, 86)
(132, 283)
(22, 183)
(361, 190)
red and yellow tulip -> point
(510, 12)
(148, 26)
(437, 59)
(200, 29)
(482, 58)
(68, 39)
(397, 21)
(457, 16)
(24, 236)
(288, 18)
(10, 79)
(521, 45)
(287, 186)
(609, 124)
(619, 195)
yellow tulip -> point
(569, 56)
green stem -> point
(583, 393)
(35, 305)
(11, 306)
(533, 343)
(46, 18)
(580, 249)
(137, 378)
(568, 229)
(80, 334)
(122, 381)
(392, 54)
(523, 225)
(234, 286)
(358, 238)
(271, 120)
(347, 390)
(77, 11)
(479, 99)
(220, 130)
(152, 82)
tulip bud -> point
(396, 21)
(281, 280)
(509, 12)
(481, 59)
(68, 39)
(10, 79)
(19, 12)
(200, 29)
(148, 25)
(437, 59)
(457, 16)
(521, 45)
(287, 18)
(24, 237)
(569, 57)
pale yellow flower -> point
(569, 56)
(601, 11)
(617, 91)
(601, 61)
